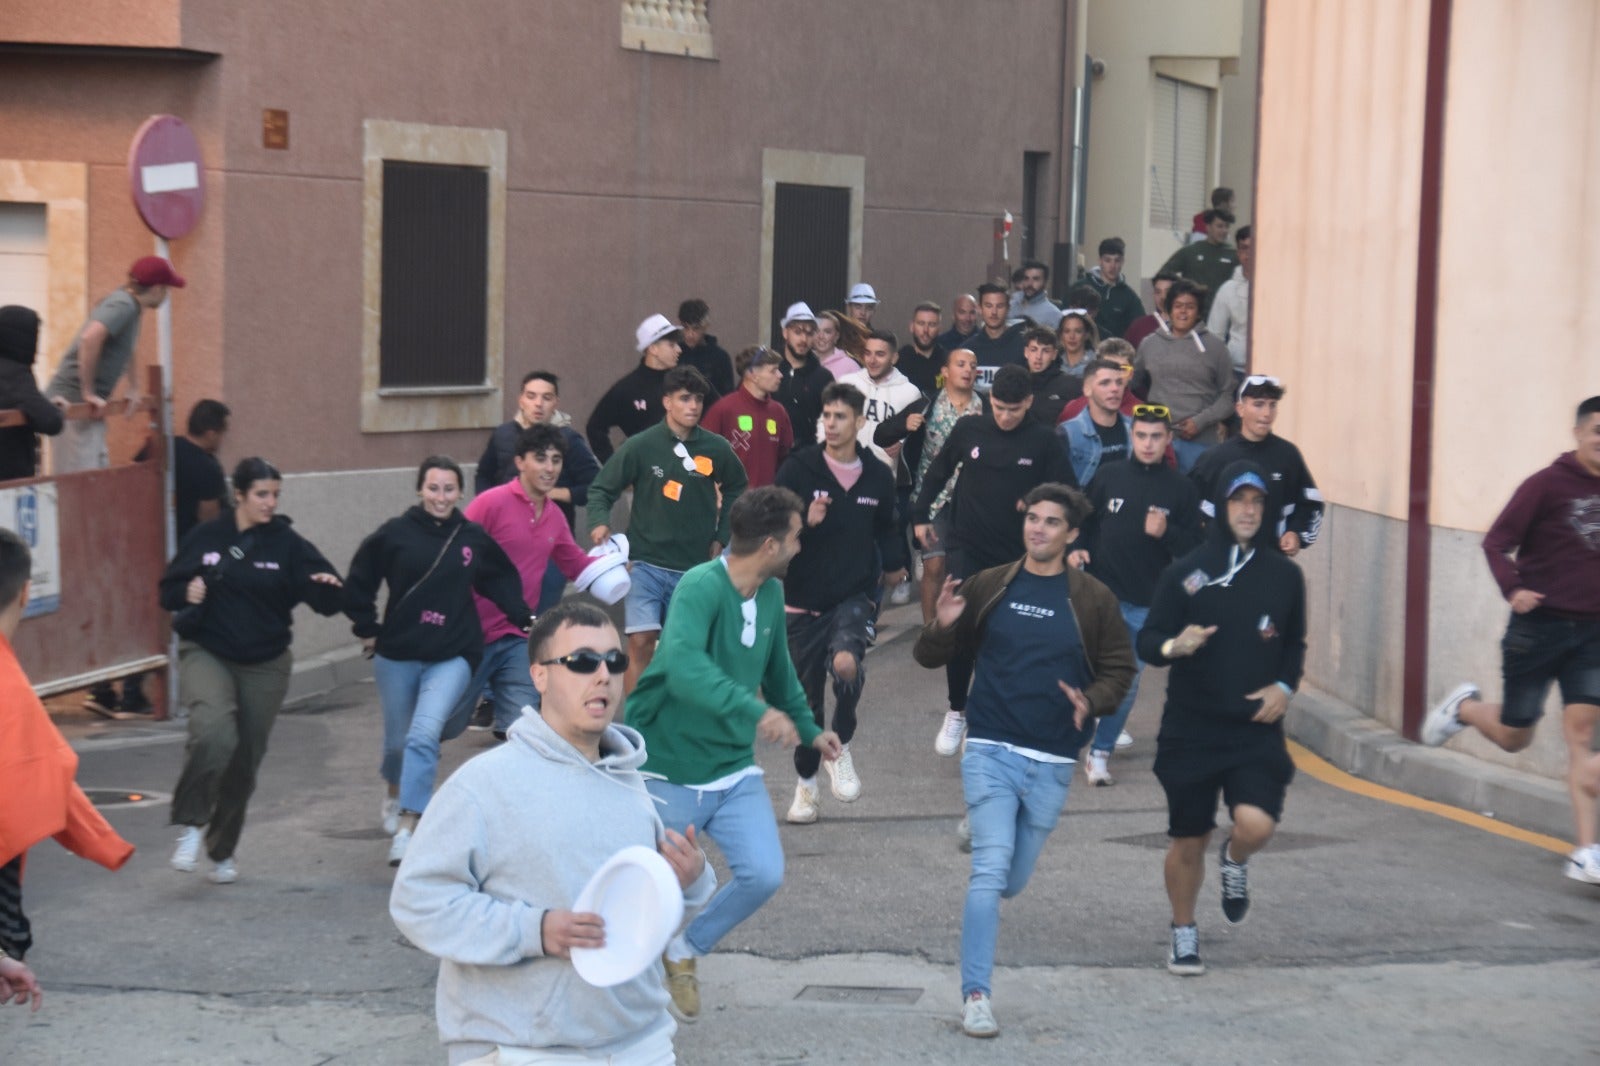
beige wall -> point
(1521, 229)
(1131, 37)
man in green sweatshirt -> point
(723, 678)
(684, 480)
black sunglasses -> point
(587, 661)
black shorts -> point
(1194, 778)
(814, 639)
(1539, 648)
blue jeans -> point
(649, 593)
(1105, 733)
(1013, 803)
(1190, 451)
(503, 675)
(741, 821)
(417, 699)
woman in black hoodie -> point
(19, 445)
(430, 641)
(232, 588)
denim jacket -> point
(1083, 443)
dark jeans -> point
(814, 639)
(232, 707)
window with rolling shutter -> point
(1179, 136)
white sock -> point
(809, 782)
(678, 949)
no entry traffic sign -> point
(168, 178)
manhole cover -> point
(1280, 841)
(860, 995)
(125, 797)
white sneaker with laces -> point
(1124, 739)
(954, 730)
(977, 1016)
(186, 856)
(842, 779)
(1442, 722)
(397, 846)
(901, 594)
(391, 814)
(806, 807)
(225, 873)
(1584, 865)
(1094, 768)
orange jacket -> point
(38, 796)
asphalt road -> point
(1378, 933)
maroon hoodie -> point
(1553, 525)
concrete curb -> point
(326, 672)
(1357, 744)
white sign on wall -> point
(31, 514)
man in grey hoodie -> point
(492, 896)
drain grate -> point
(1280, 841)
(123, 797)
(860, 995)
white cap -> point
(798, 312)
(639, 898)
(862, 294)
(606, 577)
(653, 329)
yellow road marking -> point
(1327, 773)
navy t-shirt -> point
(1030, 642)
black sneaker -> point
(482, 717)
(102, 700)
(1235, 886)
(1183, 956)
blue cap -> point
(1245, 479)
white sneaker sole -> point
(1576, 872)
(1186, 969)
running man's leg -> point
(645, 611)
(744, 828)
(808, 650)
(1108, 728)
(991, 783)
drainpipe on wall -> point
(1069, 188)
(1414, 685)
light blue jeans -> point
(417, 699)
(1013, 803)
(1108, 727)
(741, 821)
(503, 676)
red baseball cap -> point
(154, 270)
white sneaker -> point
(842, 779)
(1442, 723)
(977, 1016)
(397, 847)
(806, 807)
(186, 856)
(954, 730)
(901, 594)
(391, 814)
(1584, 865)
(1094, 768)
(1124, 739)
(225, 873)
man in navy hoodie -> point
(828, 593)
(1552, 524)
(1230, 619)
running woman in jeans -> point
(1051, 651)
(424, 651)
(1552, 524)
(1145, 515)
(242, 574)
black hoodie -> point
(19, 445)
(834, 561)
(1256, 598)
(633, 405)
(430, 616)
(247, 610)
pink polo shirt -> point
(531, 538)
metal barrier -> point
(101, 619)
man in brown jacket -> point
(1051, 652)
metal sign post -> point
(167, 177)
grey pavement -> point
(1378, 933)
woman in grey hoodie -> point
(491, 896)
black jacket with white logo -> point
(837, 559)
(633, 405)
